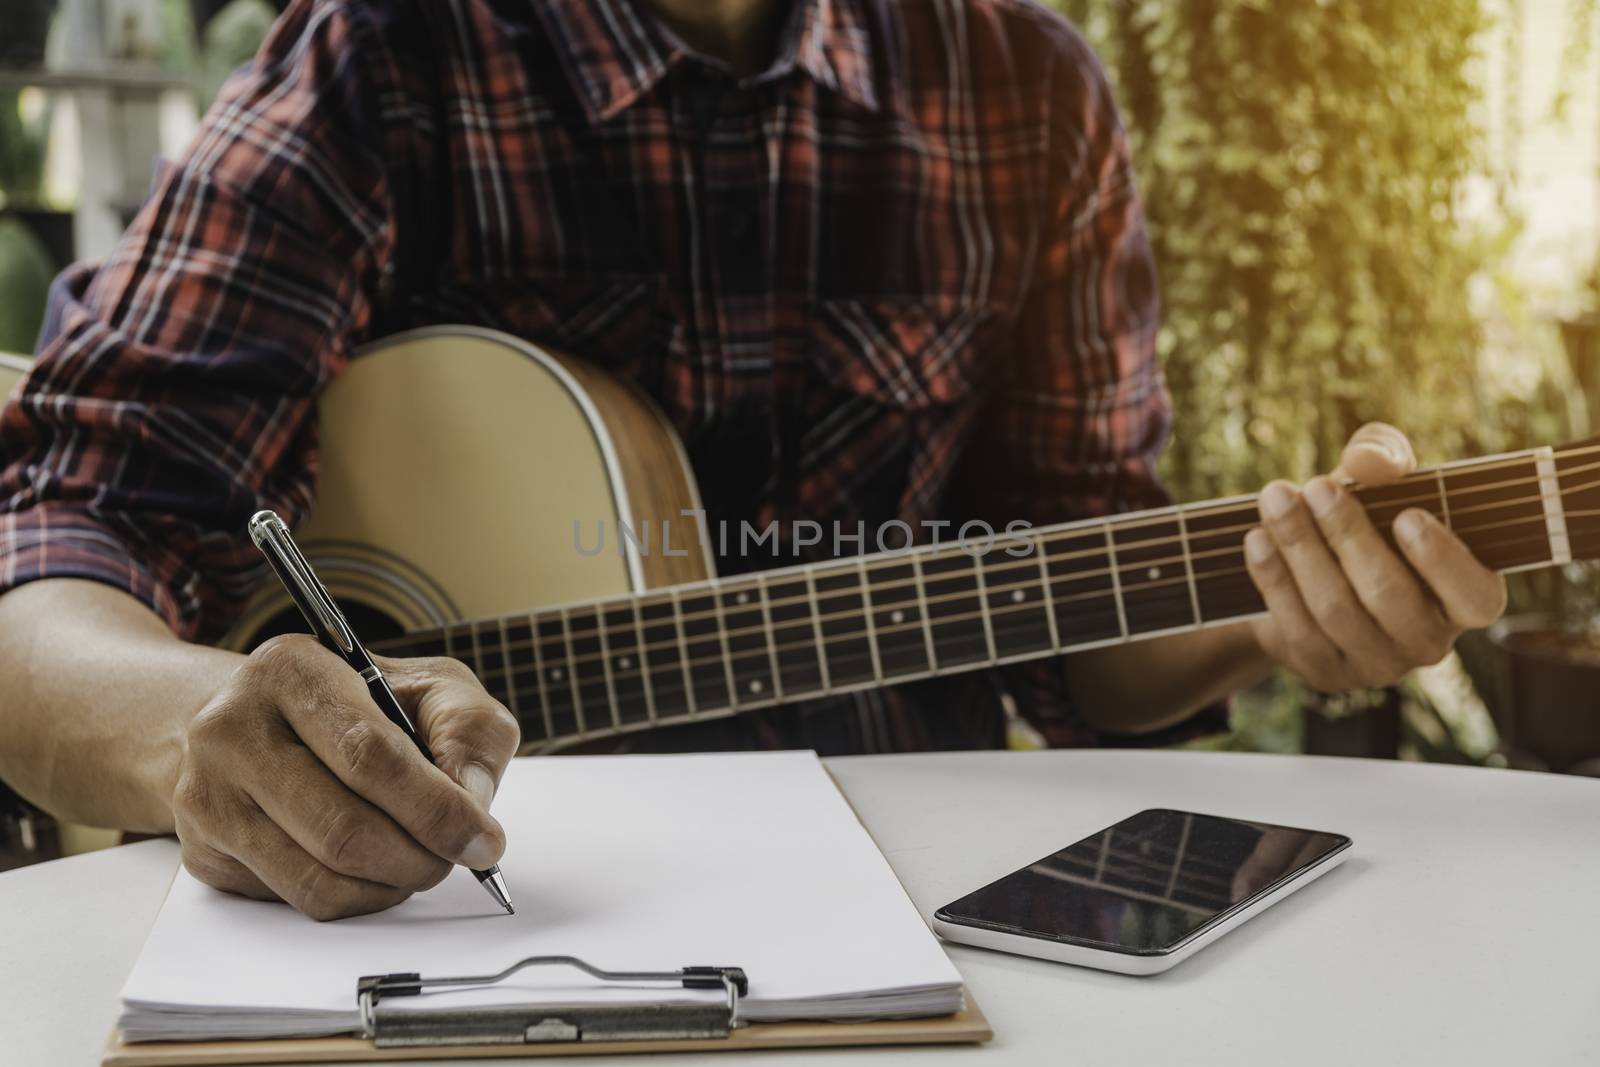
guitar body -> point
(454, 463)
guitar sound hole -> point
(374, 627)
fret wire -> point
(1444, 497)
(1188, 564)
(922, 608)
(1049, 594)
(1551, 504)
(722, 635)
(572, 674)
(477, 652)
(538, 673)
(449, 653)
(772, 646)
(1116, 582)
(605, 664)
(983, 607)
(505, 660)
(683, 653)
(866, 609)
(816, 629)
(641, 644)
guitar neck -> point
(716, 648)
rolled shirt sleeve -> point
(1079, 418)
(174, 392)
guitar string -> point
(716, 587)
(775, 648)
(849, 614)
(849, 568)
(836, 658)
(1028, 562)
(876, 609)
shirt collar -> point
(616, 51)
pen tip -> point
(496, 886)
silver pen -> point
(322, 614)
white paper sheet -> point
(630, 862)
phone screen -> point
(1147, 883)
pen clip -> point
(271, 536)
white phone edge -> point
(1127, 962)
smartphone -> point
(1143, 895)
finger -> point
(296, 877)
(221, 871)
(1386, 587)
(1291, 636)
(339, 829)
(1473, 596)
(329, 708)
(472, 735)
(1324, 589)
(1375, 454)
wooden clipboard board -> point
(967, 1026)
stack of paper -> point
(630, 862)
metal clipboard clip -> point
(391, 1026)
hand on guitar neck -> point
(259, 763)
(1349, 607)
(1347, 610)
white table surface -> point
(1464, 928)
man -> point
(875, 259)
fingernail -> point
(476, 779)
(1388, 451)
(1410, 527)
(1258, 546)
(481, 852)
(1276, 500)
(1321, 494)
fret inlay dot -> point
(897, 617)
(555, 674)
(1153, 573)
(755, 685)
(625, 662)
(1018, 596)
(743, 598)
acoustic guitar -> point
(455, 461)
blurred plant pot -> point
(1372, 732)
(1548, 699)
(27, 25)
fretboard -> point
(725, 646)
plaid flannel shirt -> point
(902, 275)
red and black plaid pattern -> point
(902, 274)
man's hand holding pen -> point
(294, 786)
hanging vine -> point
(1301, 163)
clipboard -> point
(409, 1032)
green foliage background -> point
(1301, 164)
